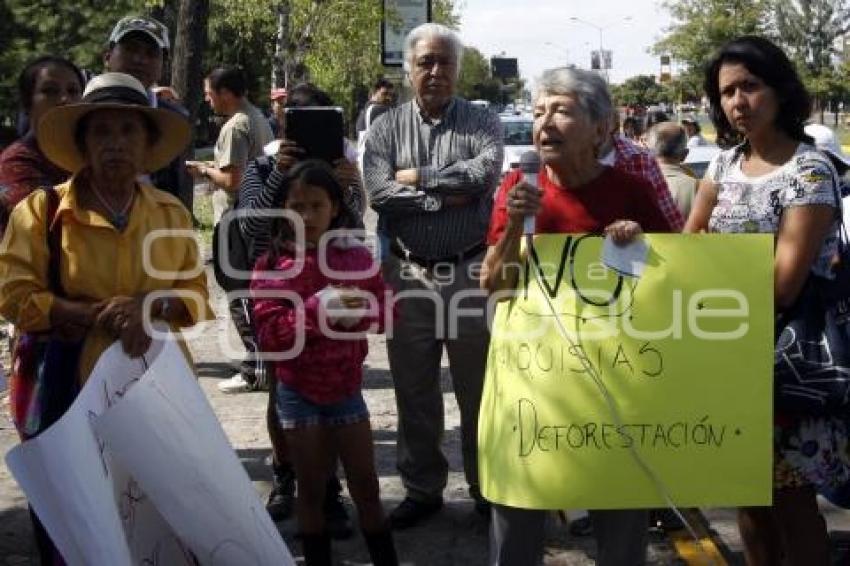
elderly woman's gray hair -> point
(432, 31)
(587, 87)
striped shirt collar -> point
(448, 113)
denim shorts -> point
(296, 411)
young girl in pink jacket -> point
(314, 299)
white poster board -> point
(186, 493)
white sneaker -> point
(235, 384)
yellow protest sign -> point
(683, 355)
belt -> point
(400, 251)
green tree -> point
(443, 12)
(641, 90)
(808, 30)
(333, 43)
(475, 81)
(701, 27)
(829, 87)
(76, 30)
(345, 54)
(683, 88)
(9, 66)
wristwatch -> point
(432, 203)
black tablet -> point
(318, 130)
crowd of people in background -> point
(102, 163)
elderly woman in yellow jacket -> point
(95, 259)
(105, 216)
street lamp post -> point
(600, 29)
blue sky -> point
(541, 35)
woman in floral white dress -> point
(776, 182)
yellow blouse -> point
(97, 261)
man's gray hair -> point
(587, 87)
(668, 140)
(432, 31)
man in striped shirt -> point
(430, 167)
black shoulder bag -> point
(812, 350)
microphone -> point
(529, 164)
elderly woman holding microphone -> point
(574, 193)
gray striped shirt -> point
(459, 155)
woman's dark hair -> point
(83, 126)
(317, 173)
(769, 63)
(29, 76)
(307, 94)
(230, 78)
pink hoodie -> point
(327, 370)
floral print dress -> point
(807, 450)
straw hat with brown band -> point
(57, 127)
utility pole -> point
(604, 62)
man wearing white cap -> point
(138, 46)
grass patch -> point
(203, 153)
(204, 214)
(844, 135)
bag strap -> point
(836, 186)
(843, 241)
(54, 241)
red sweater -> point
(326, 370)
(23, 169)
(613, 195)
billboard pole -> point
(412, 13)
(604, 62)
